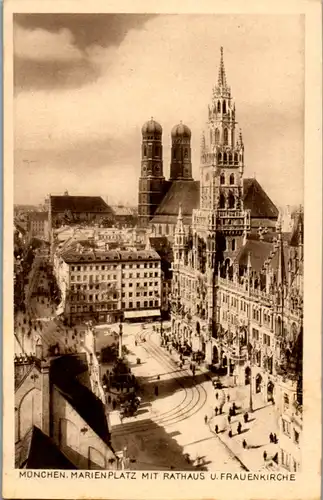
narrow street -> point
(168, 431)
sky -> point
(84, 85)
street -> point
(169, 430)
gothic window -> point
(222, 179)
(224, 107)
(222, 201)
(233, 245)
(225, 136)
(219, 107)
(160, 229)
(230, 158)
(167, 229)
(225, 158)
(217, 135)
(157, 151)
(206, 177)
(211, 136)
(232, 179)
(231, 201)
(145, 150)
(174, 154)
(236, 158)
(219, 157)
(186, 153)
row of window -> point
(94, 268)
(97, 286)
(265, 338)
(93, 298)
(234, 302)
(139, 305)
(110, 267)
(138, 275)
(139, 294)
(139, 285)
(90, 277)
(231, 179)
(256, 313)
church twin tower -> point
(152, 183)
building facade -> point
(38, 225)
(109, 285)
(54, 423)
(237, 290)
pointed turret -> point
(179, 225)
(240, 140)
(222, 81)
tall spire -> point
(222, 82)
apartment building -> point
(109, 285)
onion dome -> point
(181, 130)
(151, 127)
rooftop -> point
(187, 194)
(92, 204)
(73, 256)
(257, 201)
(38, 451)
(67, 374)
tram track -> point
(197, 396)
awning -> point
(147, 313)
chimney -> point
(45, 395)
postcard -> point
(162, 250)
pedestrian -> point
(244, 444)
(228, 397)
(205, 419)
(220, 410)
(229, 419)
(136, 343)
(271, 437)
(239, 428)
(216, 411)
(265, 455)
(216, 428)
(246, 417)
(230, 433)
(275, 439)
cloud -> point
(167, 69)
(41, 45)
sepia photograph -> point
(158, 244)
